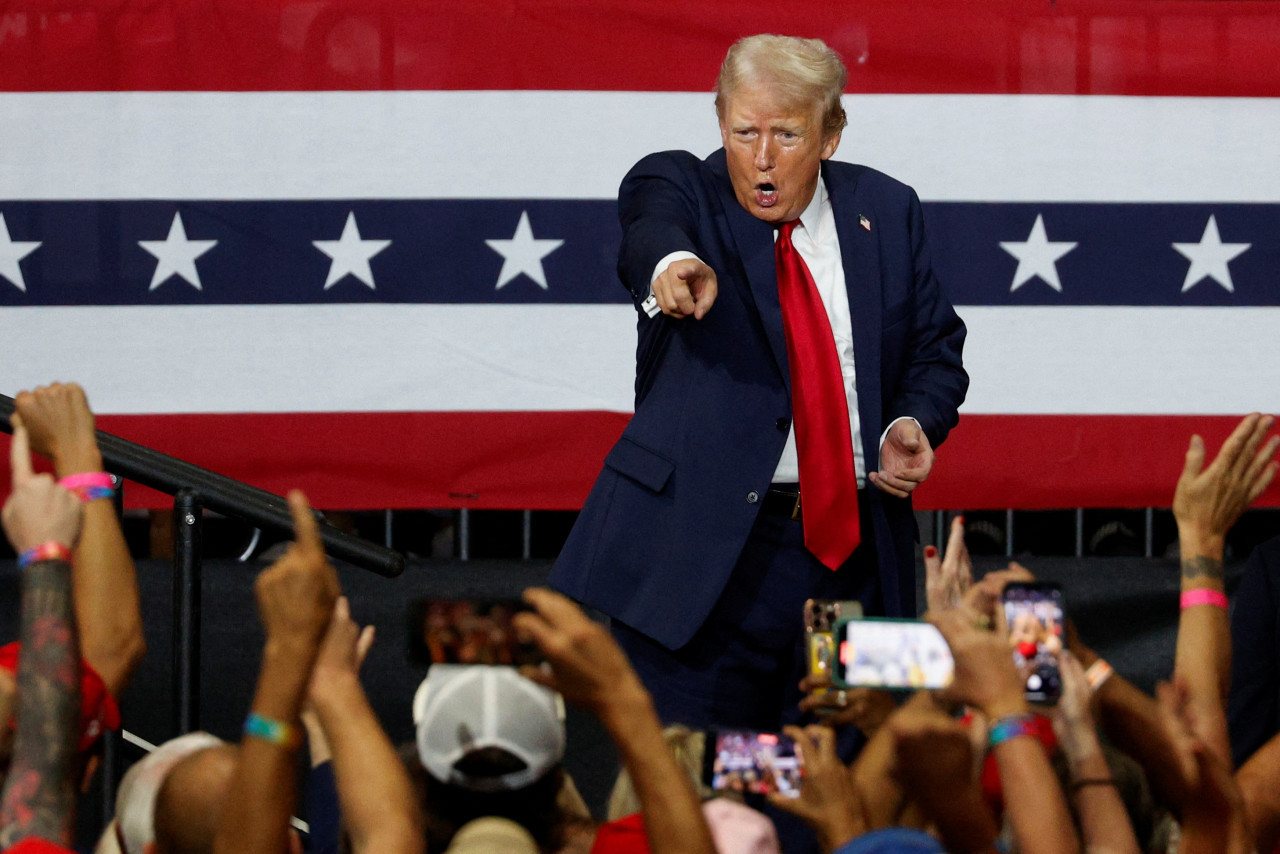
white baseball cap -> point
(463, 708)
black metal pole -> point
(187, 525)
(226, 495)
(111, 739)
(110, 772)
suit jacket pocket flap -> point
(640, 464)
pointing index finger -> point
(20, 453)
(306, 532)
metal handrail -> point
(227, 496)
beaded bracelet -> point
(44, 551)
(1010, 726)
(1203, 596)
(271, 730)
(90, 485)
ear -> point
(830, 144)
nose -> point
(764, 153)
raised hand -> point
(61, 426)
(586, 665)
(1208, 500)
(906, 458)
(828, 800)
(38, 510)
(296, 594)
(985, 675)
(947, 578)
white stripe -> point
(341, 358)
(578, 145)
(562, 358)
(1133, 361)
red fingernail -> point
(961, 518)
(930, 551)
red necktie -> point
(828, 484)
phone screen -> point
(752, 762)
(898, 654)
(820, 617)
(1034, 615)
(467, 631)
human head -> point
(778, 102)
(487, 728)
(170, 800)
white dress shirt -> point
(816, 240)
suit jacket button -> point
(753, 497)
(782, 424)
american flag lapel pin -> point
(864, 222)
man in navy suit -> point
(693, 539)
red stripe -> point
(1164, 47)
(548, 460)
(1049, 461)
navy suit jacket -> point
(664, 524)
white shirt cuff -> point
(650, 304)
(885, 434)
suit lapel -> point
(860, 257)
(754, 239)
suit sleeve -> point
(658, 213)
(935, 382)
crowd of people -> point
(973, 767)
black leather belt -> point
(782, 500)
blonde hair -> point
(687, 746)
(805, 71)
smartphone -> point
(467, 631)
(820, 617)
(893, 654)
(1035, 617)
(752, 762)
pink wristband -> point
(1203, 596)
(89, 485)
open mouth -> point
(766, 195)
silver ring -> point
(842, 697)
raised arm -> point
(1206, 503)
(986, 679)
(61, 426)
(378, 805)
(42, 520)
(590, 669)
(295, 596)
(1103, 821)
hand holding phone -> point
(468, 631)
(1035, 617)
(894, 654)
(752, 762)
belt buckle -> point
(795, 511)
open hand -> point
(1208, 501)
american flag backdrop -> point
(367, 248)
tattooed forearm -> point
(39, 794)
(1201, 567)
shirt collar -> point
(811, 217)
